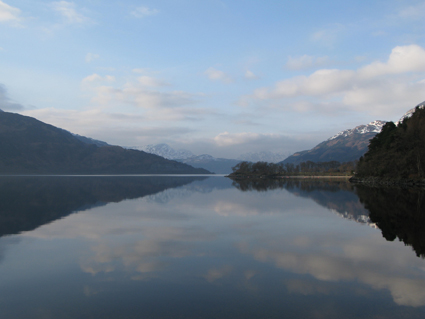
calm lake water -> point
(205, 247)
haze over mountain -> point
(167, 152)
(210, 163)
(206, 161)
(264, 156)
(29, 146)
(347, 145)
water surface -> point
(197, 247)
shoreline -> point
(387, 182)
(289, 176)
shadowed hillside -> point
(28, 146)
(398, 151)
(345, 146)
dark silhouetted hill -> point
(398, 151)
(29, 146)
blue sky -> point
(217, 77)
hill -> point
(29, 146)
(205, 161)
(398, 151)
(346, 146)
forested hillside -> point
(398, 151)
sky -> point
(222, 77)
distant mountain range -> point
(265, 156)
(205, 161)
(345, 146)
(167, 152)
(29, 146)
(208, 162)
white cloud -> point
(217, 75)
(97, 78)
(380, 88)
(327, 36)
(91, 57)
(156, 105)
(9, 13)
(230, 139)
(413, 12)
(403, 59)
(116, 127)
(139, 70)
(305, 62)
(151, 82)
(250, 75)
(68, 11)
(142, 12)
(146, 99)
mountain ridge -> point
(345, 146)
(29, 146)
(397, 153)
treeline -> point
(398, 151)
(304, 168)
(398, 212)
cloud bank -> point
(9, 13)
(377, 88)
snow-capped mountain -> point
(215, 165)
(167, 152)
(372, 127)
(361, 219)
(347, 145)
(409, 113)
(265, 156)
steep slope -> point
(29, 146)
(348, 145)
(398, 151)
(409, 113)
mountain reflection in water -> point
(27, 202)
(190, 247)
(398, 212)
(336, 195)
